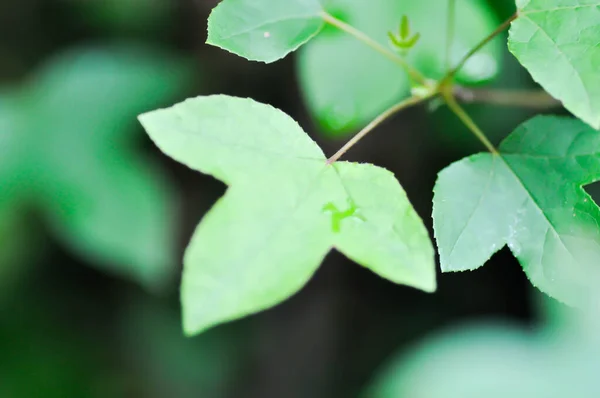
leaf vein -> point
(523, 13)
(568, 62)
(537, 205)
(270, 22)
(483, 192)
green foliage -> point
(263, 30)
(404, 40)
(15, 236)
(557, 41)
(67, 151)
(67, 155)
(498, 360)
(529, 197)
(286, 208)
(269, 30)
(346, 84)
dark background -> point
(68, 330)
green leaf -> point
(499, 360)
(404, 28)
(557, 41)
(15, 233)
(16, 256)
(263, 30)
(72, 155)
(10, 150)
(529, 197)
(346, 84)
(268, 30)
(284, 211)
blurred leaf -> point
(529, 197)
(557, 41)
(14, 230)
(346, 83)
(499, 361)
(486, 362)
(503, 8)
(71, 154)
(285, 210)
(16, 235)
(263, 30)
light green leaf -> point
(75, 157)
(263, 30)
(10, 150)
(284, 211)
(15, 248)
(346, 84)
(529, 197)
(499, 360)
(493, 361)
(558, 42)
(14, 231)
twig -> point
(450, 25)
(466, 119)
(414, 100)
(450, 75)
(535, 99)
(361, 36)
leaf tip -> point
(429, 286)
(193, 323)
(145, 119)
(142, 117)
(191, 329)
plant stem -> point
(537, 99)
(361, 36)
(411, 101)
(466, 119)
(450, 24)
(450, 75)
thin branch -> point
(407, 103)
(466, 119)
(361, 36)
(450, 75)
(535, 99)
(450, 27)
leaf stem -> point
(411, 101)
(536, 99)
(361, 36)
(450, 75)
(466, 119)
(444, 87)
(450, 27)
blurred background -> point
(94, 220)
